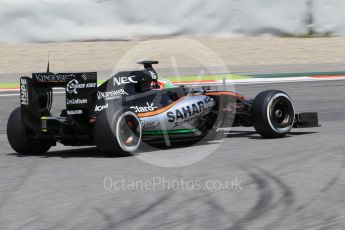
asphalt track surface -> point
(297, 182)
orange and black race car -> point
(134, 107)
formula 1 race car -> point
(134, 107)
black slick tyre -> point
(117, 132)
(273, 114)
(17, 135)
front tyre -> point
(17, 135)
(117, 132)
(273, 114)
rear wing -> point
(36, 95)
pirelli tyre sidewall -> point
(17, 135)
(113, 127)
(273, 113)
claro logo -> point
(142, 109)
(123, 80)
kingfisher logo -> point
(143, 109)
(47, 77)
(123, 80)
(111, 94)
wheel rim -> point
(280, 113)
(128, 131)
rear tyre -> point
(117, 132)
(17, 135)
(273, 114)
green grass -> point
(9, 85)
(100, 82)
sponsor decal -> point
(123, 80)
(24, 95)
(148, 124)
(189, 113)
(188, 120)
(74, 112)
(76, 101)
(73, 85)
(116, 94)
(153, 75)
(99, 108)
(41, 77)
(177, 131)
(143, 109)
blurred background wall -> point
(77, 20)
